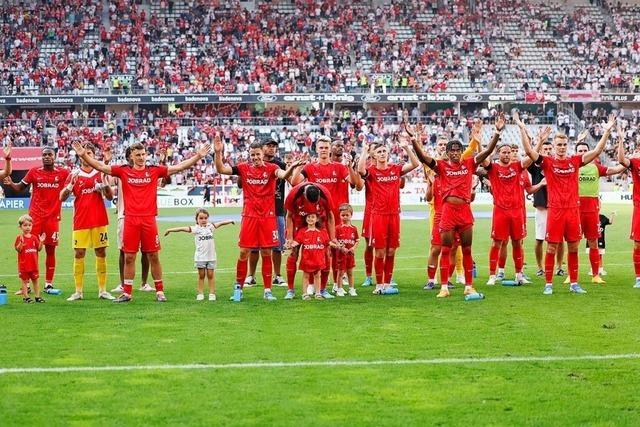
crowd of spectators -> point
(220, 46)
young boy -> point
(28, 245)
(347, 236)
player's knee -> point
(101, 252)
(80, 253)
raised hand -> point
(620, 132)
(403, 139)
(107, 155)
(217, 144)
(43, 236)
(516, 119)
(609, 125)
(583, 135)
(500, 122)
(7, 150)
(543, 133)
(79, 148)
(204, 149)
(476, 130)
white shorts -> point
(541, 223)
(209, 265)
(120, 232)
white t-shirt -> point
(205, 246)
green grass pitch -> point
(414, 325)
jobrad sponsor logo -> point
(508, 175)
(48, 185)
(313, 246)
(139, 181)
(460, 172)
(387, 178)
(257, 181)
(326, 180)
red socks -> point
(127, 287)
(502, 261)
(431, 271)
(389, 261)
(444, 265)
(267, 271)
(241, 271)
(494, 253)
(324, 278)
(467, 262)
(379, 264)
(518, 257)
(636, 261)
(572, 263)
(549, 260)
(50, 263)
(368, 260)
(159, 285)
(292, 260)
(594, 259)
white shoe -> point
(460, 279)
(352, 292)
(212, 297)
(249, 282)
(147, 288)
(340, 292)
(200, 297)
(492, 280)
(345, 280)
(522, 280)
(334, 289)
(119, 289)
(76, 296)
(310, 290)
(105, 295)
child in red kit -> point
(347, 236)
(314, 254)
(28, 245)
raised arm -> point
(362, 162)
(354, 177)
(500, 123)
(7, 161)
(177, 230)
(219, 148)
(413, 159)
(202, 152)
(68, 189)
(591, 155)
(475, 142)
(526, 140)
(222, 223)
(280, 174)
(621, 158)
(91, 161)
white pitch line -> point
(353, 363)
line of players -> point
(571, 207)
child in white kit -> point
(205, 254)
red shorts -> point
(385, 231)
(345, 261)
(507, 223)
(563, 224)
(29, 275)
(310, 264)
(258, 233)
(50, 226)
(140, 234)
(635, 224)
(456, 217)
(590, 223)
(366, 223)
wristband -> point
(8, 158)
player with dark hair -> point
(563, 220)
(457, 179)
(302, 200)
(46, 183)
(259, 228)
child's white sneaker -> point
(212, 297)
(200, 297)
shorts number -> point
(55, 236)
(275, 235)
(103, 238)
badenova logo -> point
(27, 100)
(61, 100)
(196, 99)
(91, 99)
(130, 99)
(163, 99)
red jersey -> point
(347, 235)
(506, 184)
(258, 189)
(333, 176)
(28, 256)
(88, 207)
(313, 244)
(456, 179)
(634, 167)
(385, 189)
(45, 191)
(298, 206)
(139, 188)
(562, 181)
